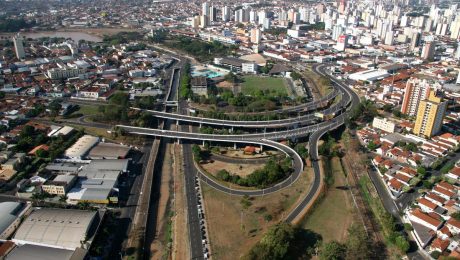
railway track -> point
(354, 175)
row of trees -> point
(284, 241)
(203, 51)
(357, 246)
(363, 113)
(271, 173)
(185, 90)
(15, 25)
(122, 37)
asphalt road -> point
(292, 121)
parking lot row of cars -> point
(201, 218)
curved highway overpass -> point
(268, 139)
(293, 121)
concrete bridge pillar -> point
(234, 146)
(261, 148)
(178, 140)
(231, 130)
(203, 142)
(177, 122)
(201, 124)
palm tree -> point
(63, 198)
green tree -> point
(332, 251)
(196, 150)
(159, 36)
(245, 202)
(372, 146)
(54, 107)
(421, 171)
(387, 108)
(402, 243)
(295, 75)
(301, 150)
(456, 215)
(274, 244)
(231, 77)
(42, 153)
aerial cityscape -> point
(208, 129)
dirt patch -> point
(180, 242)
(159, 245)
(241, 170)
(335, 213)
(233, 229)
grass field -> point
(233, 230)
(88, 110)
(334, 214)
(252, 83)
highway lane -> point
(292, 121)
(192, 204)
(315, 187)
(278, 135)
(353, 98)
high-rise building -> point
(389, 38)
(337, 30)
(205, 9)
(255, 35)
(291, 14)
(428, 50)
(267, 23)
(430, 115)
(203, 21)
(415, 40)
(416, 90)
(341, 43)
(239, 16)
(195, 22)
(261, 16)
(19, 47)
(252, 16)
(226, 14)
(320, 8)
(283, 16)
(212, 14)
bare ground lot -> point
(335, 212)
(180, 242)
(159, 245)
(241, 170)
(233, 230)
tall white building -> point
(19, 47)
(205, 9)
(267, 23)
(226, 14)
(261, 16)
(212, 14)
(252, 16)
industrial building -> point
(10, 217)
(97, 182)
(28, 251)
(58, 228)
(109, 151)
(80, 149)
(369, 75)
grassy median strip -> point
(336, 201)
